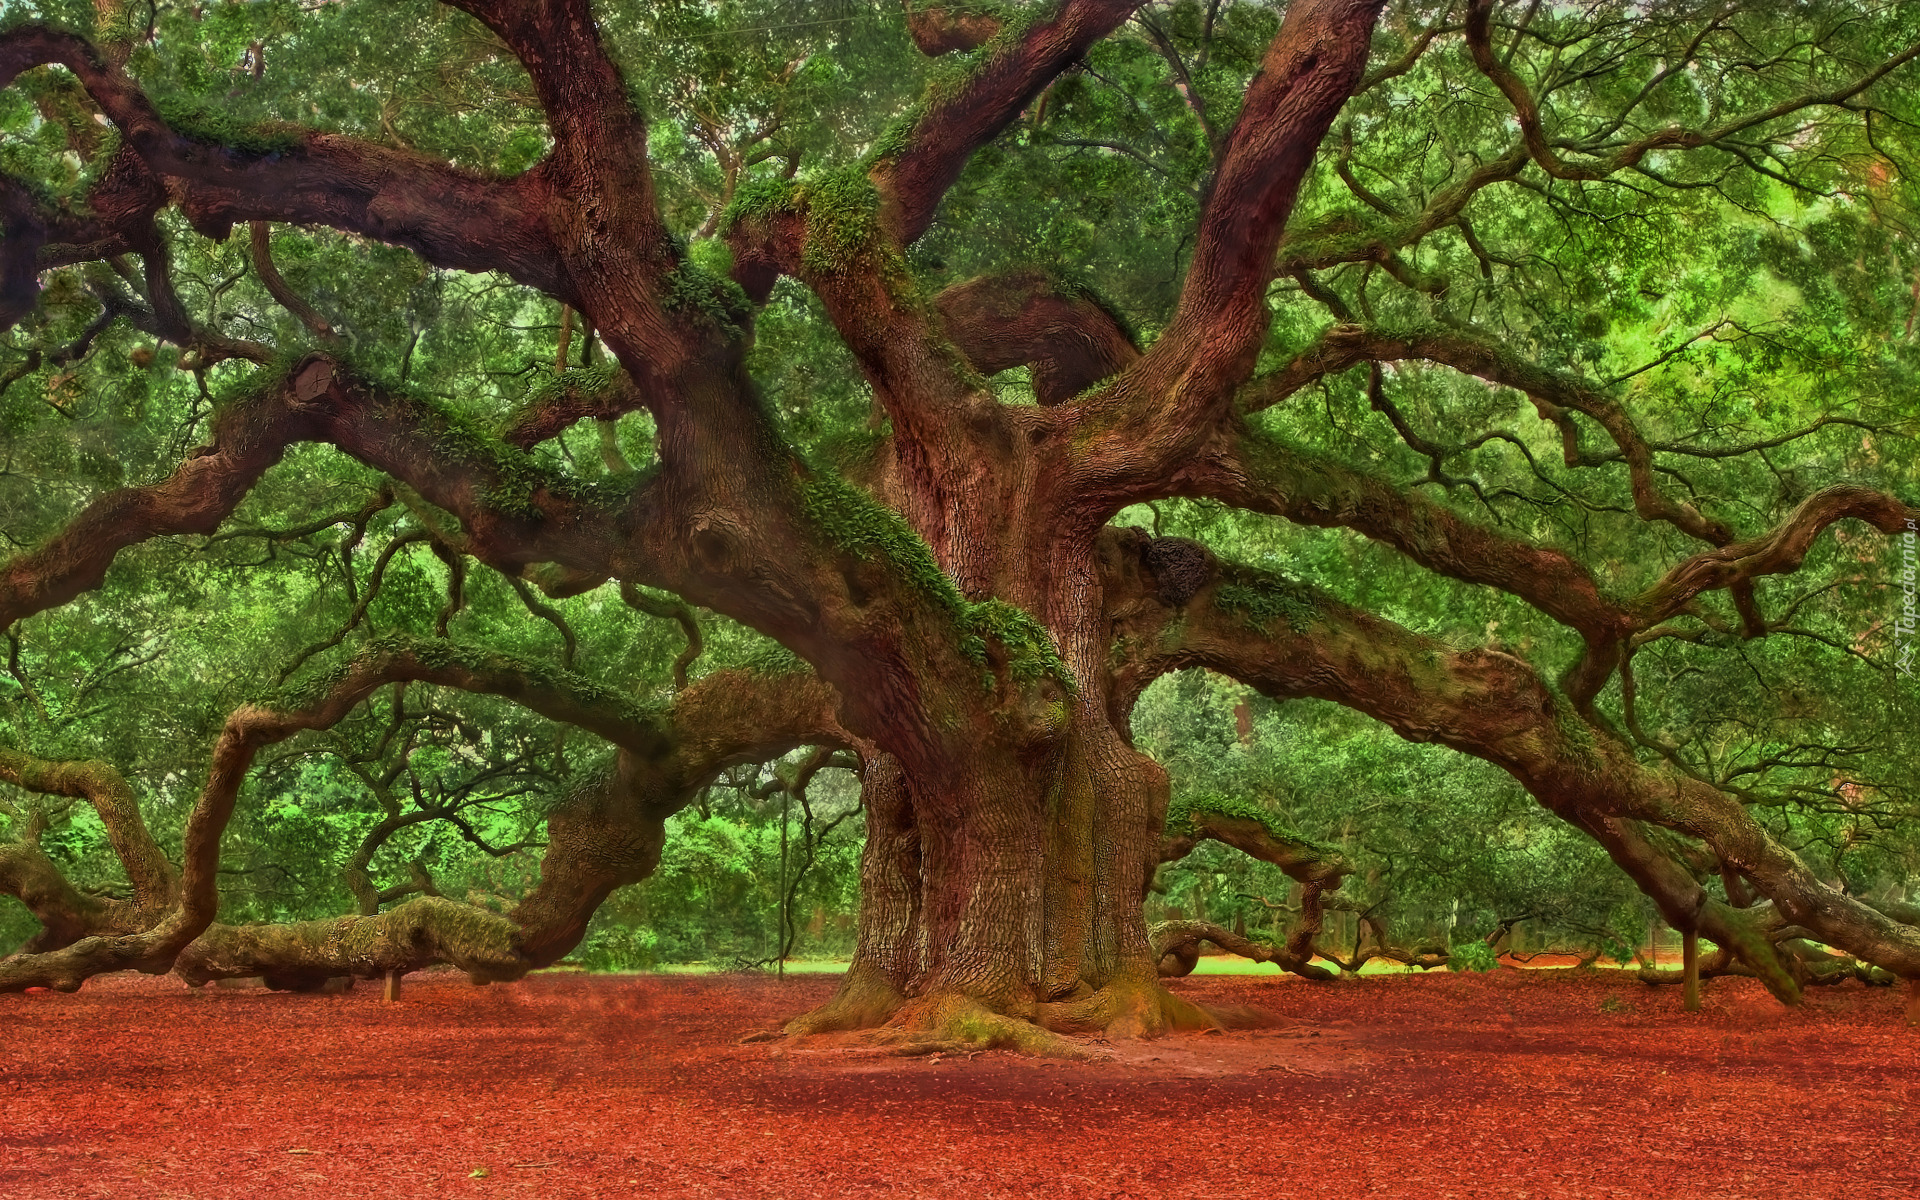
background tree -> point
(1557, 341)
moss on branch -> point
(868, 530)
(1268, 599)
(1183, 818)
(200, 121)
(841, 211)
(705, 294)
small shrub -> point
(1475, 955)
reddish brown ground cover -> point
(1514, 1084)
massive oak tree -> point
(1588, 317)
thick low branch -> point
(1245, 827)
(1176, 946)
(451, 217)
(1254, 834)
(299, 956)
(1743, 934)
(513, 511)
(154, 948)
(1370, 924)
(66, 914)
(606, 833)
(155, 882)
(1290, 641)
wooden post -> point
(1690, 968)
(1913, 1002)
(780, 934)
(393, 988)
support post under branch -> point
(1690, 968)
(392, 994)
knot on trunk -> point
(1180, 568)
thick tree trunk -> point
(1010, 900)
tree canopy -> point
(441, 435)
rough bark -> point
(1069, 339)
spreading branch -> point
(555, 519)
(1290, 641)
(1609, 157)
(449, 216)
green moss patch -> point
(1183, 818)
(203, 122)
(1268, 600)
(866, 529)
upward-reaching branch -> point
(1162, 407)
(599, 135)
(917, 165)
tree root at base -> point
(953, 1023)
(865, 1000)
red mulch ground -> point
(1514, 1084)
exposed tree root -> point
(865, 1000)
(1809, 966)
(950, 1024)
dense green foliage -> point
(1765, 302)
